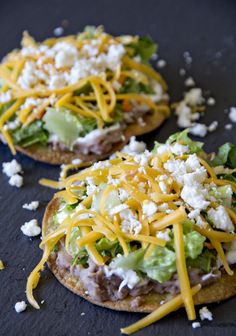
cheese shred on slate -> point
(117, 217)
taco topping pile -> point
(158, 221)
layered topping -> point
(64, 89)
(162, 220)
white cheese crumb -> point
(130, 277)
(195, 196)
(76, 161)
(198, 129)
(211, 101)
(189, 82)
(187, 57)
(134, 146)
(213, 126)
(82, 314)
(31, 206)
(161, 63)
(163, 234)
(11, 168)
(5, 97)
(182, 72)
(205, 314)
(194, 97)
(31, 228)
(232, 114)
(58, 31)
(228, 126)
(149, 208)
(220, 219)
(196, 325)
(16, 181)
(20, 306)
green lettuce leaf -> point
(204, 261)
(225, 157)
(145, 47)
(183, 138)
(132, 86)
(30, 135)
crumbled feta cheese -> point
(189, 81)
(195, 195)
(58, 31)
(182, 72)
(134, 146)
(205, 314)
(118, 209)
(130, 277)
(31, 228)
(198, 129)
(142, 159)
(56, 82)
(196, 325)
(163, 234)
(184, 115)
(187, 57)
(211, 101)
(11, 168)
(20, 306)
(12, 125)
(31, 206)
(28, 77)
(5, 97)
(123, 195)
(179, 149)
(195, 216)
(228, 126)
(66, 55)
(213, 126)
(232, 114)
(149, 208)
(129, 223)
(194, 97)
(161, 63)
(16, 181)
(220, 219)
(91, 187)
(112, 181)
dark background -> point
(207, 29)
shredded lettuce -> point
(204, 261)
(225, 157)
(223, 194)
(30, 135)
(193, 242)
(131, 85)
(183, 138)
(145, 47)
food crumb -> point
(205, 314)
(82, 314)
(161, 63)
(196, 325)
(1, 265)
(211, 101)
(58, 31)
(228, 126)
(182, 72)
(20, 306)
(32, 206)
(232, 114)
(189, 82)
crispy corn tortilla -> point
(220, 290)
(46, 154)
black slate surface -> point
(207, 30)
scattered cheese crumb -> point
(211, 101)
(20, 306)
(31, 206)
(196, 325)
(161, 63)
(198, 129)
(76, 161)
(1, 265)
(220, 218)
(82, 314)
(232, 114)
(182, 72)
(205, 314)
(134, 146)
(58, 31)
(189, 82)
(11, 168)
(16, 181)
(187, 57)
(31, 228)
(149, 208)
(213, 126)
(228, 126)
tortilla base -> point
(47, 155)
(218, 291)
